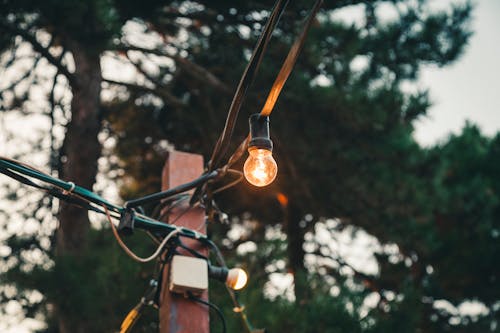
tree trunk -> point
(82, 150)
(295, 252)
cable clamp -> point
(239, 309)
(127, 221)
(71, 189)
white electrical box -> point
(188, 274)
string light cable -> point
(271, 100)
(211, 306)
(289, 63)
(237, 306)
(155, 197)
(7, 166)
(15, 169)
(278, 84)
(251, 69)
(169, 204)
(129, 252)
(88, 199)
(233, 172)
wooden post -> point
(178, 314)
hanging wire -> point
(239, 178)
(278, 84)
(213, 307)
(289, 63)
(129, 252)
(87, 199)
(169, 204)
(18, 170)
(164, 213)
(245, 81)
(155, 197)
(237, 306)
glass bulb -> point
(236, 278)
(260, 168)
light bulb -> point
(260, 168)
(236, 278)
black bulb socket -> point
(218, 273)
(259, 133)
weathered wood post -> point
(177, 313)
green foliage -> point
(324, 313)
(103, 283)
(467, 217)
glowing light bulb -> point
(260, 168)
(236, 278)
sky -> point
(469, 89)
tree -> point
(466, 217)
(351, 158)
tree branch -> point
(194, 70)
(128, 47)
(26, 75)
(173, 100)
(201, 74)
(369, 281)
(211, 16)
(37, 47)
(148, 76)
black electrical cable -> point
(198, 194)
(218, 253)
(245, 81)
(213, 307)
(89, 200)
(173, 191)
(163, 216)
(190, 250)
(166, 206)
(237, 306)
(281, 78)
(73, 200)
(289, 63)
(239, 178)
(22, 179)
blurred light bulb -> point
(260, 168)
(236, 278)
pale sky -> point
(470, 88)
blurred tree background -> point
(363, 229)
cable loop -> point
(71, 189)
(129, 252)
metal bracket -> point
(126, 225)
